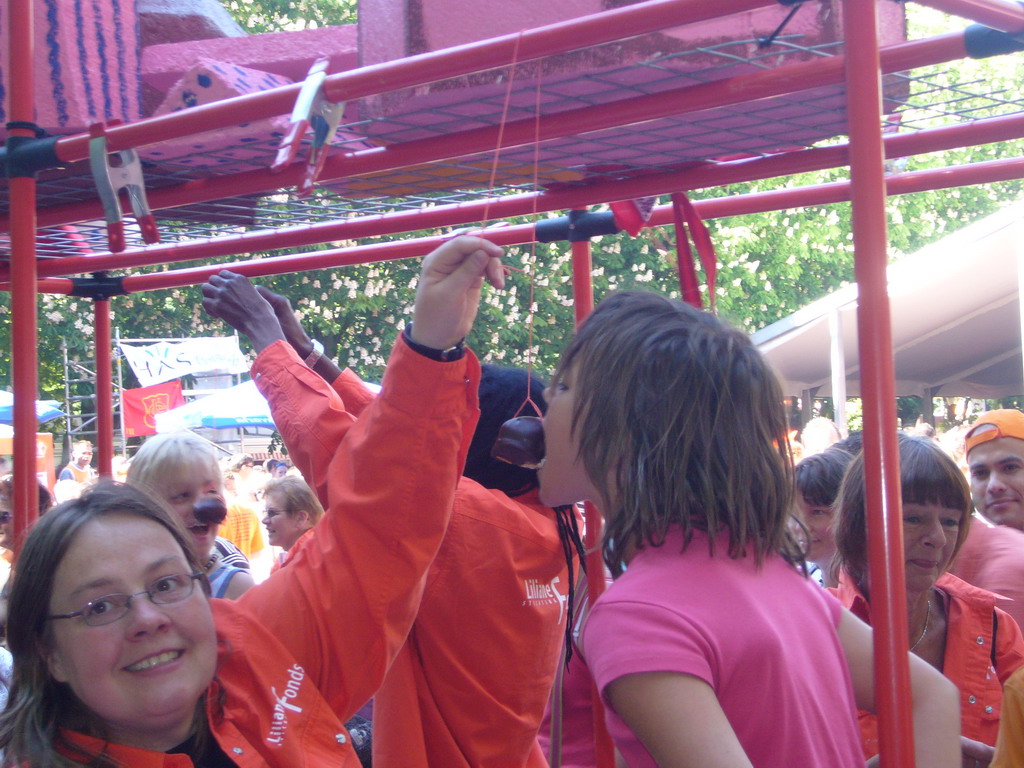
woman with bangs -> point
(710, 649)
(952, 625)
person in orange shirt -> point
(473, 696)
(242, 525)
(121, 659)
(956, 627)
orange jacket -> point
(968, 660)
(273, 714)
(471, 684)
(301, 652)
(285, 557)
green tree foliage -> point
(258, 16)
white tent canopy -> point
(956, 322)
(238, 406)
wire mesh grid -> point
(554, 87)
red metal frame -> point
(104, 386)
(867, 189)
(687, 100)
(460, 60)
(734, 205)
(881, 457)
(583, 298)
(712, 174)
(1004, 15)
(24, 362)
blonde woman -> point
(181, 469)
(291, 511)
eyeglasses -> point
(109, 608)
(5, 517)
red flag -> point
(140, 406)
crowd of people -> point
(407, 566)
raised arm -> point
(343, 381)
(311, 418)
(345, 603)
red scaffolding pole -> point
(707, 175)
(22, 193)
(1004, 15)
(881, 458)
(104, 386)
(583, 305)
(734, 205)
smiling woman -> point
(953, 625)
(120, 658)
(291, 512)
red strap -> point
(691, 228)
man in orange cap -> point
(992, 557)
(995, 457)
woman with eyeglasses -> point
(290, 512)
(122, 659)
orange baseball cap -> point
(1006, 422)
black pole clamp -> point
(25, 156)
(99, 286)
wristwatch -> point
(454, 352)
(314, 357)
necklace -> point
(216, 554)
(927, 621)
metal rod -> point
(874, 337)
(802, 161)
(104, 387)
(583, 305)
(1004, 15)
(738, 205)
(24, 353)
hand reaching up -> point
(449, 290)
(235, 300)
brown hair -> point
(680, 424)
(927, 476)
(297, 495)
(7, 494)
(39, 706)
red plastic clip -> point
(633, 215)
(113, 172)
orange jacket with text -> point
(470, 686)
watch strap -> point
(452, 353)
(314, 357)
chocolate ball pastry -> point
(210, 510)
(521, 442)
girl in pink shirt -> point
(711, 649)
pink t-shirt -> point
(992, 558)
(765, 641)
